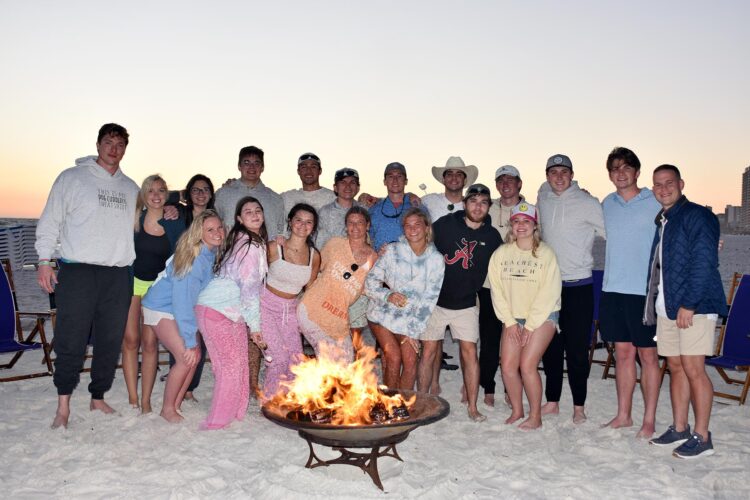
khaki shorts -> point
(464, 324)
(694, 341)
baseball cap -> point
(345, 172)
(524, 209)
(559, 160)
(507, 170)
(476, 189)
(395, 166)
(308, 156)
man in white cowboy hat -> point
(455, 175)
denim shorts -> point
(554, 317)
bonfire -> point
(326, 390)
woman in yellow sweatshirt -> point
(525, 284)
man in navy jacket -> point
(685, 298)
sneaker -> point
(444, 365)
(695, 447)
(671, 436)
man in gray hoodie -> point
(90, 213)
(570, 217)
(251, 164)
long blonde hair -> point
(141, 202)
(535, 238)
(189, 244)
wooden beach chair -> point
(12, 338)
(733, 346)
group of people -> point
(242, 272)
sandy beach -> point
(141, 456)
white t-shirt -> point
(438, 205)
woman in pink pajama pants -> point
(229, 308)
(292, 267)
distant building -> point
(745, 215)
(732, 216)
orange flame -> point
(349, 391)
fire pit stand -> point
(368, 462)
(380, 439)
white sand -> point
(128, 455)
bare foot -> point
(171, 417)
(513, 418)
(101, 405)
(507, 401)
(550, 408)
(190, 397)
(61, 420)
(619, 422)
(646, 432)
(146, 408)
(579, 416)
(476, 416)
(464, 399)
(489, 400)
(530, 424)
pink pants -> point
(226, 342)
(278, 318)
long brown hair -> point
(258, 239)
(189, 244)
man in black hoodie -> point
(467, 240)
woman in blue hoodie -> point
(168, 304)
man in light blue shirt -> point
(629, 215)
(388, 212)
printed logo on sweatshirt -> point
(465, 254)
(521, 269)
(113, 199)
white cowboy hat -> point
(456, 163)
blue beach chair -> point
(734, 342)
(12, 339)
(594, 338)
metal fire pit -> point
(425, 410)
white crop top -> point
(288, 277)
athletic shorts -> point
(152, 318)
(694, 341)
(464, 324)
(621, 319)
(140, 287)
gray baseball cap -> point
(395, 166)
(559, 160)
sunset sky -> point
(362, 84)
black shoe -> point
(446, 355)
(447, 366)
